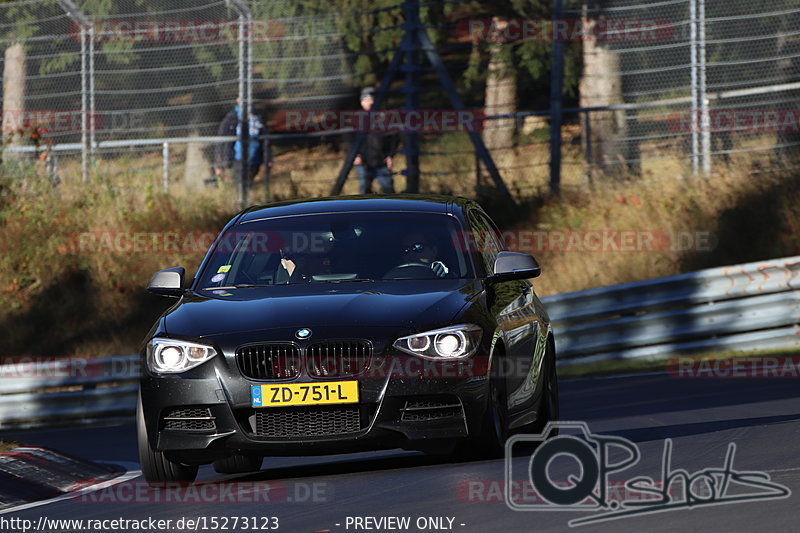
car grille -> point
(338, 359)
(424, 410)
(190, 419)
(285, 422)
(269, 361)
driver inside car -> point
(417, 248)
(291, 274)
(301, 267)
(309, 256)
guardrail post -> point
(556, 90)
(245, 93)
(410, 46)
(705, 122)
(84, 140)
(587, 145)
(52, 167)
(701, 123)
(165, 164)
(87, 80)
(92, 116)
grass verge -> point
(635, 366)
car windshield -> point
(338, 247)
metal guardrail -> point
(68, 392)
(742, 307)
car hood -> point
(404, 304)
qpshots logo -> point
(589, 490)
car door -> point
(512, 304)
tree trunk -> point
(599, 86)
(500, 99)
(13, 97)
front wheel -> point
(155, 467)
(548, 410)
(490, 442)
(495, 431)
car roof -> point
(332, 204)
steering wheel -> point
(411, 271)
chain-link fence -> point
(140, 89)
(690, 85)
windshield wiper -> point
(255, 285)
(347, 280)
(238, 286)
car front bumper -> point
(404, 402)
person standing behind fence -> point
(229, 155)
(374, 160)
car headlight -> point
(454, 342)
(169, 356)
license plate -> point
(288, 394)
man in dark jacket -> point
(375, 158)
(230, 154)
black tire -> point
(155, 467)
(490, 443)
(238, 464)
(548, 408)
(496, 432)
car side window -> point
(485, 239)
(496, 233)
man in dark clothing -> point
(375, 157)
(230, 154)
(223, 152)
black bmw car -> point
(345, 324)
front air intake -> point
(269, 361)
(338, 359)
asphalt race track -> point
(701, 416)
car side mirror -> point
(168, 282)
(513, 265)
